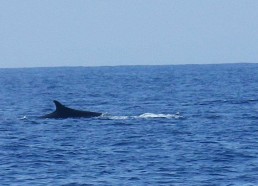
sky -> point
(46, 33)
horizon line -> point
(93, 66)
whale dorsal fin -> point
(59, 106)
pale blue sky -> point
(37, 33)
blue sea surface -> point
(162, 125)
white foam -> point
(145, 116)
(119, 117)
(24, 118)
(167, 116)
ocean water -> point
(162, 125)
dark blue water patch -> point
(163, 125)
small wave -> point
(229, 101)
(24, 118)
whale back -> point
(65, 112)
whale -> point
(63, 112)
